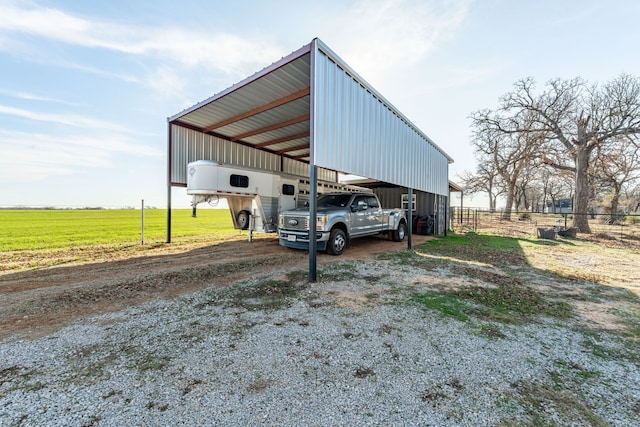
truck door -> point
(288, 195)
(375, 214)
(366, 218)
(358, 215)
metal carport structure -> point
(308, 114)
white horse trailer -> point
(255, 197)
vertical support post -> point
(252, 225)
(142, 221)
(313, 222)
(409, 217)
(447, 213)
(169, 143)
(313, 172)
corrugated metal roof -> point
(271, 111)
(265, 111)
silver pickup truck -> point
(341, 217)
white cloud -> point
(27, 156)
(74, 120)
(379, 36)
(186, 47)
(34, 97)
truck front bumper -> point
(300, 239)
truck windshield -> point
(339, 200)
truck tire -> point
(243, 219)
(337, 242)
(398, 235)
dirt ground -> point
(36, 302)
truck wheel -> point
(243, 219)
(337, 242)
(398, 235)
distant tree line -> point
(573, 140)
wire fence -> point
(618, 226)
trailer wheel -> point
(337, 242)
(398, 235)
(243, 219)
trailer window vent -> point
(239, 181)
(288, 190)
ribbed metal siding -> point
(356, 132)
(189, 145)
(298, 168)
(391, 198)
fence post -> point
(142, 222)
(475, 220)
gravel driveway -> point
(351, 349)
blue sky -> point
(86, 87)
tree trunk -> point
(581, 198)
(510, 197)
(615, 199)
(614, 209)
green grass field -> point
(57, 229)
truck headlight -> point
(321, 222)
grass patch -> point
(510, 303)
(546, 405)
(33, 229)
(506, 304)
(152, 362)
(611, 346)
(491, 331)
(448, 305)
(442, 391)
(268, 294)
(575, 370)
(338, 273)
(19, 378)
(483, 248)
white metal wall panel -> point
(358, 133)
(298, 168)
(189, 145)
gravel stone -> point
(205, 359)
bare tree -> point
(529, 191)
(499, 139)
(576, 120)
(633, 198)
(485, 180)
(557, 186)
(617, 165)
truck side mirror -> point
(361, 205)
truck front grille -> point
(300, 223)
